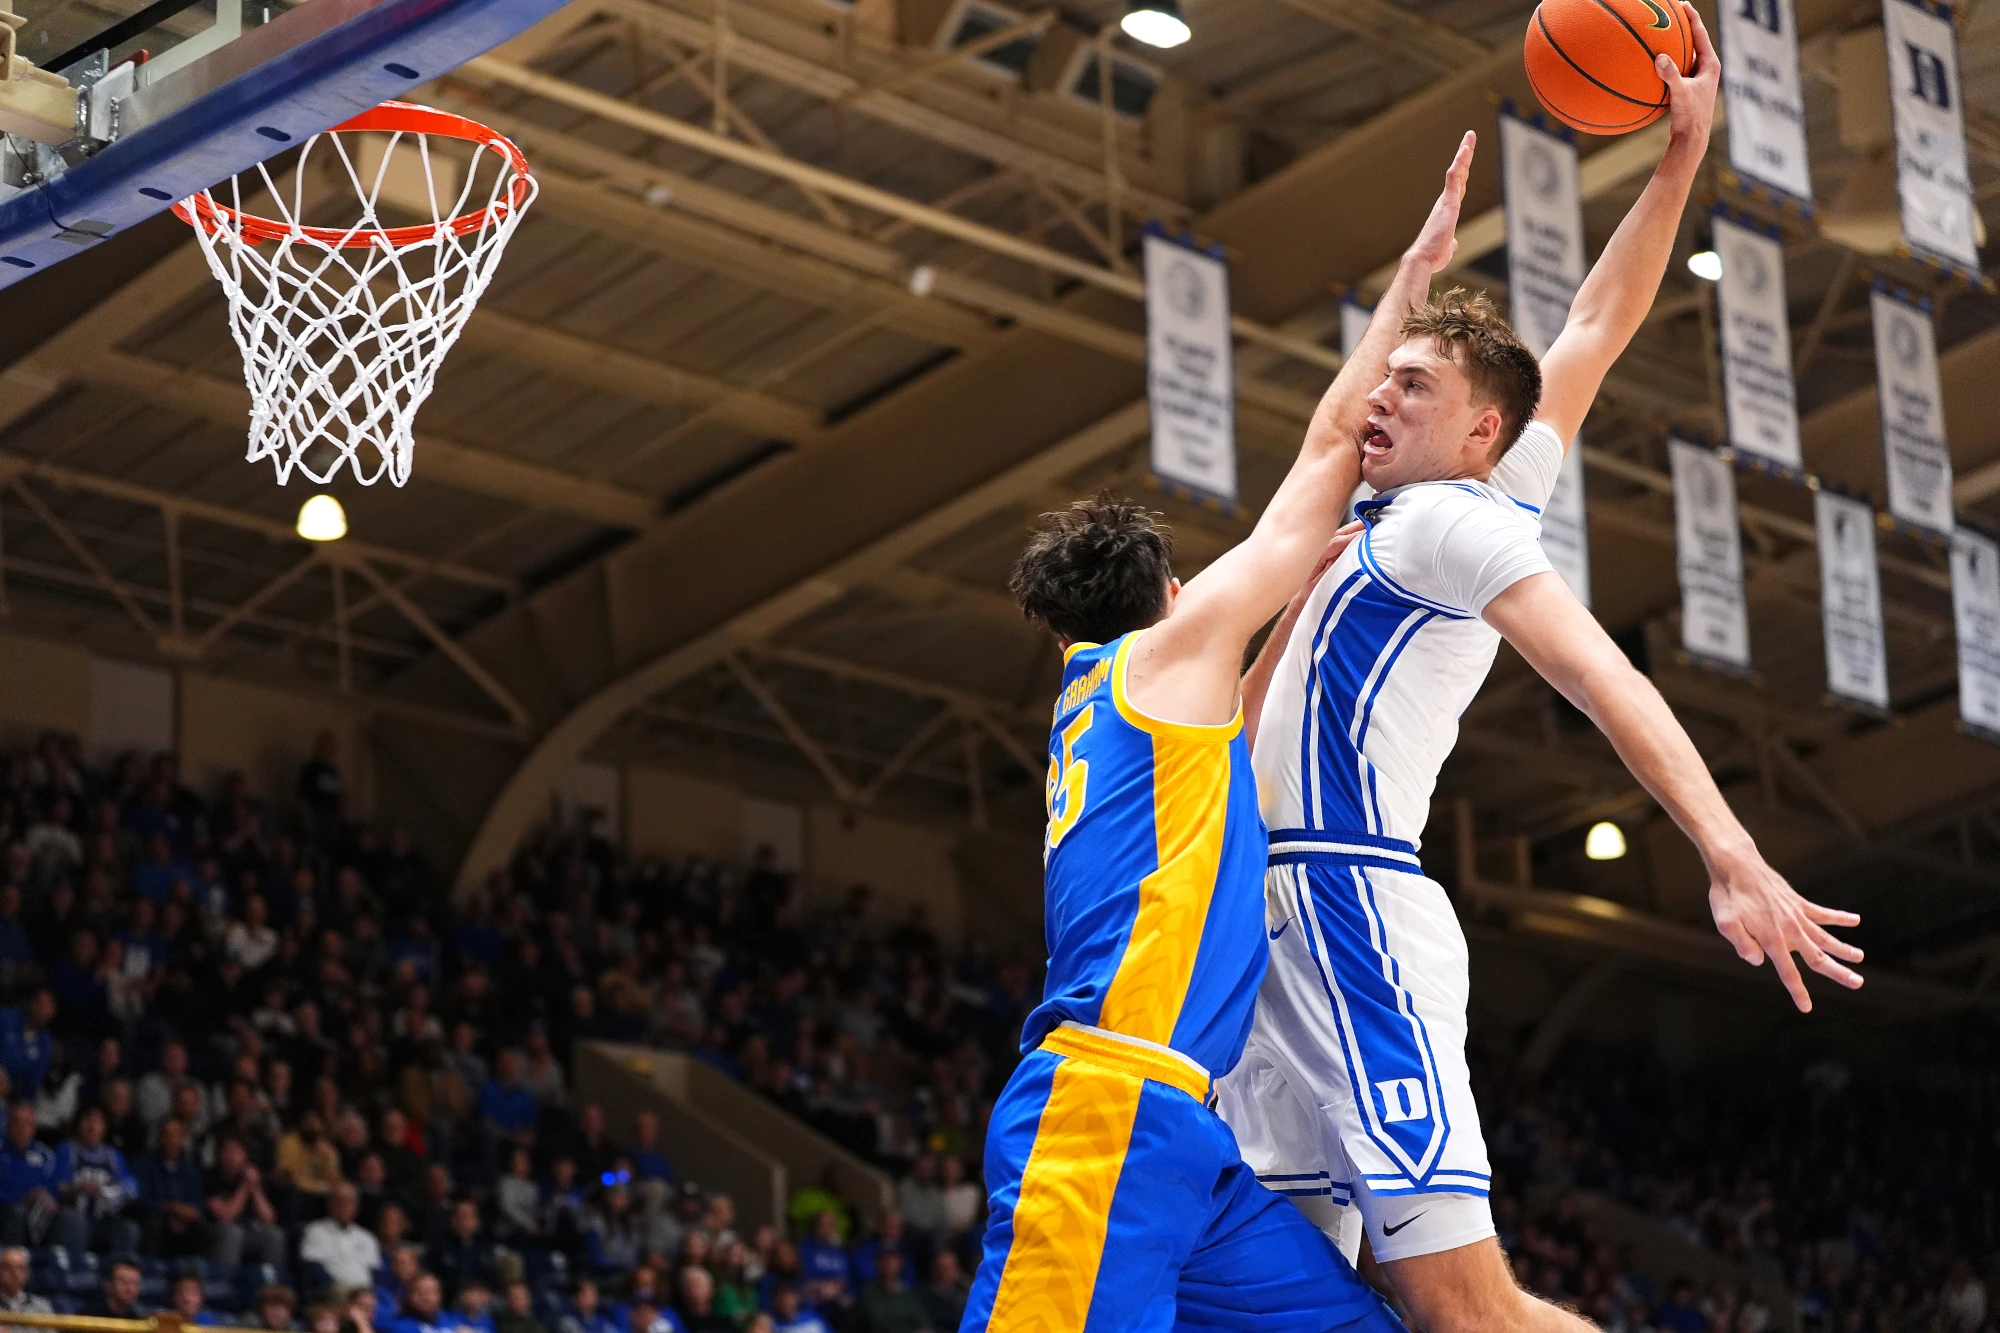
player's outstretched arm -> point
(1614, 299)
(1186, 668)
(1755, 909)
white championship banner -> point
(1190, 369)
(1757, 389)
(1927, 98)
(1546, 263)
(1762, 94)
(1850, 598)
(1544, 210)
(1975, 603)
(1708, 549)
(1913, 443)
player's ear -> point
(1485, 433)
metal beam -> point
(460, 656)
(73, 479)
(602, 366)
(1407, 32)
(816, 60)
(522, 797)
(447, 462)
(833, 183)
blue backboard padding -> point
(312, 87)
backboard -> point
(172, 96)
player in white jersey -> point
(1353, 1094)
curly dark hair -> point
(1469, 329)
(1095, 570)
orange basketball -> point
(1591, 61)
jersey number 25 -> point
(1069, 777)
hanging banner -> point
(1975, 604)
(1762, 95)
(1546, 263)
(1850, 598)
(1190, 369)
(1758, 394)
(1565, 530)
(1544, 209)
(1927, 99)
(1708, 549)
(1912, 400)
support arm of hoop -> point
(304, 72)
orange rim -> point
(390, 117)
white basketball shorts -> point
(1353, 1095)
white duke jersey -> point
(1390, 649)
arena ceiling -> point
(820, 303)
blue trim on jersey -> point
(1321, 847)
(1370, 1033)
(1533, 509)
(1313, 779)
(1408, 630)
(1369, 563)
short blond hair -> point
(1468, 328)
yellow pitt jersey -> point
(1153, 871)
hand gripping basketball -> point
(1592, 63)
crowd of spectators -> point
(259, 1070)
(1868, 1201)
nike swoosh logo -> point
(1281, 929)
(1392, 1230)
(1660, 19)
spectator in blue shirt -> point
(153, 879)
(506, 1108)
(586, 1314)
(100, 1184)
(171, 1201)
(423, 1309)
(25, 1044)
(823, 1262)
(792, 1315)
(190, 1302)
(31, 1208)
(1679, 1313)
(473, 1311)
(648, 1163)
(888, 1236)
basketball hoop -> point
(343, 328)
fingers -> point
(1829, 916)
(1788, 972)
(1816, 958)
(1839, 948)
(1706, 61)
(1742, 941)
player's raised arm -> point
(1189, 663)
(1755, 909)
(1614, 299)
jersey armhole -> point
(1208, 733)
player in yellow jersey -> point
(1119, 1200)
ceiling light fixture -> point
(321, 519)
(1706, 265)
(1156, 23)
(1604, 842)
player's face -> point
(1422, 422)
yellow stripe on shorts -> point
(1064, 1208)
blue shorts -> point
(1120, 1204)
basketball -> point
(1591, 61)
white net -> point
(343, 327)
